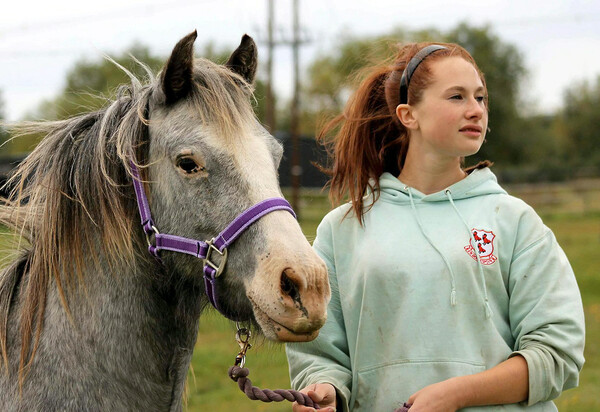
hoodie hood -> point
(478, 183)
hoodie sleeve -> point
(326, 359)
(546, 315)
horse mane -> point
(72, 197)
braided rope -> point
(239, 375)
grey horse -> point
(89, 320)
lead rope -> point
(239, 374)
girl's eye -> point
(456, 97)
(188, 165)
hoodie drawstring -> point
(488, 310)
(412, 204)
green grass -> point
(210, 389)
(579, 236)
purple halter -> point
(202, 250)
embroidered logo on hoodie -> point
(484, 242)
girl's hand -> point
(322, 394)
(439, 397)
(507, 382)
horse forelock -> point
(222, 98)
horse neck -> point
(157, 292)
(143, 322)
(163, 307)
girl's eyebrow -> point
(462, 89)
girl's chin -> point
(471, 149)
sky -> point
(40, 40)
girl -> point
(446, 292)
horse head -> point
(208, 159)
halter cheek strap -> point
(207, 251)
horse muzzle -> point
(290, 301)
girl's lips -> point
(471, 127)
(471, 130)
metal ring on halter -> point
(148, 236)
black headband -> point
(412, 66)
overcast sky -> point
(41, 40)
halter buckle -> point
(207, 262)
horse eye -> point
(188, 165)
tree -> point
(90, 83)
(578, 123)
(504, 71)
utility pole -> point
(270, 101)
(295, 42)
(296, 169)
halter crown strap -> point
(202, 250)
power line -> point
(557, 18)
(142, 10)
(42, 53)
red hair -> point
(367, 139)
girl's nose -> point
(475, 109)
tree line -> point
(524, 146)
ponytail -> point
(369, 140)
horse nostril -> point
(288, 287)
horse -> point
(89, 320)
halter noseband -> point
(202, 250)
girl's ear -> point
(406, 116)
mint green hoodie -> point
(442, 285)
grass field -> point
(209, 388)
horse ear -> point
(243, 60)
(176, 77)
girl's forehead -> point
(454, 71)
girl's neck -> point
(431, 176)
